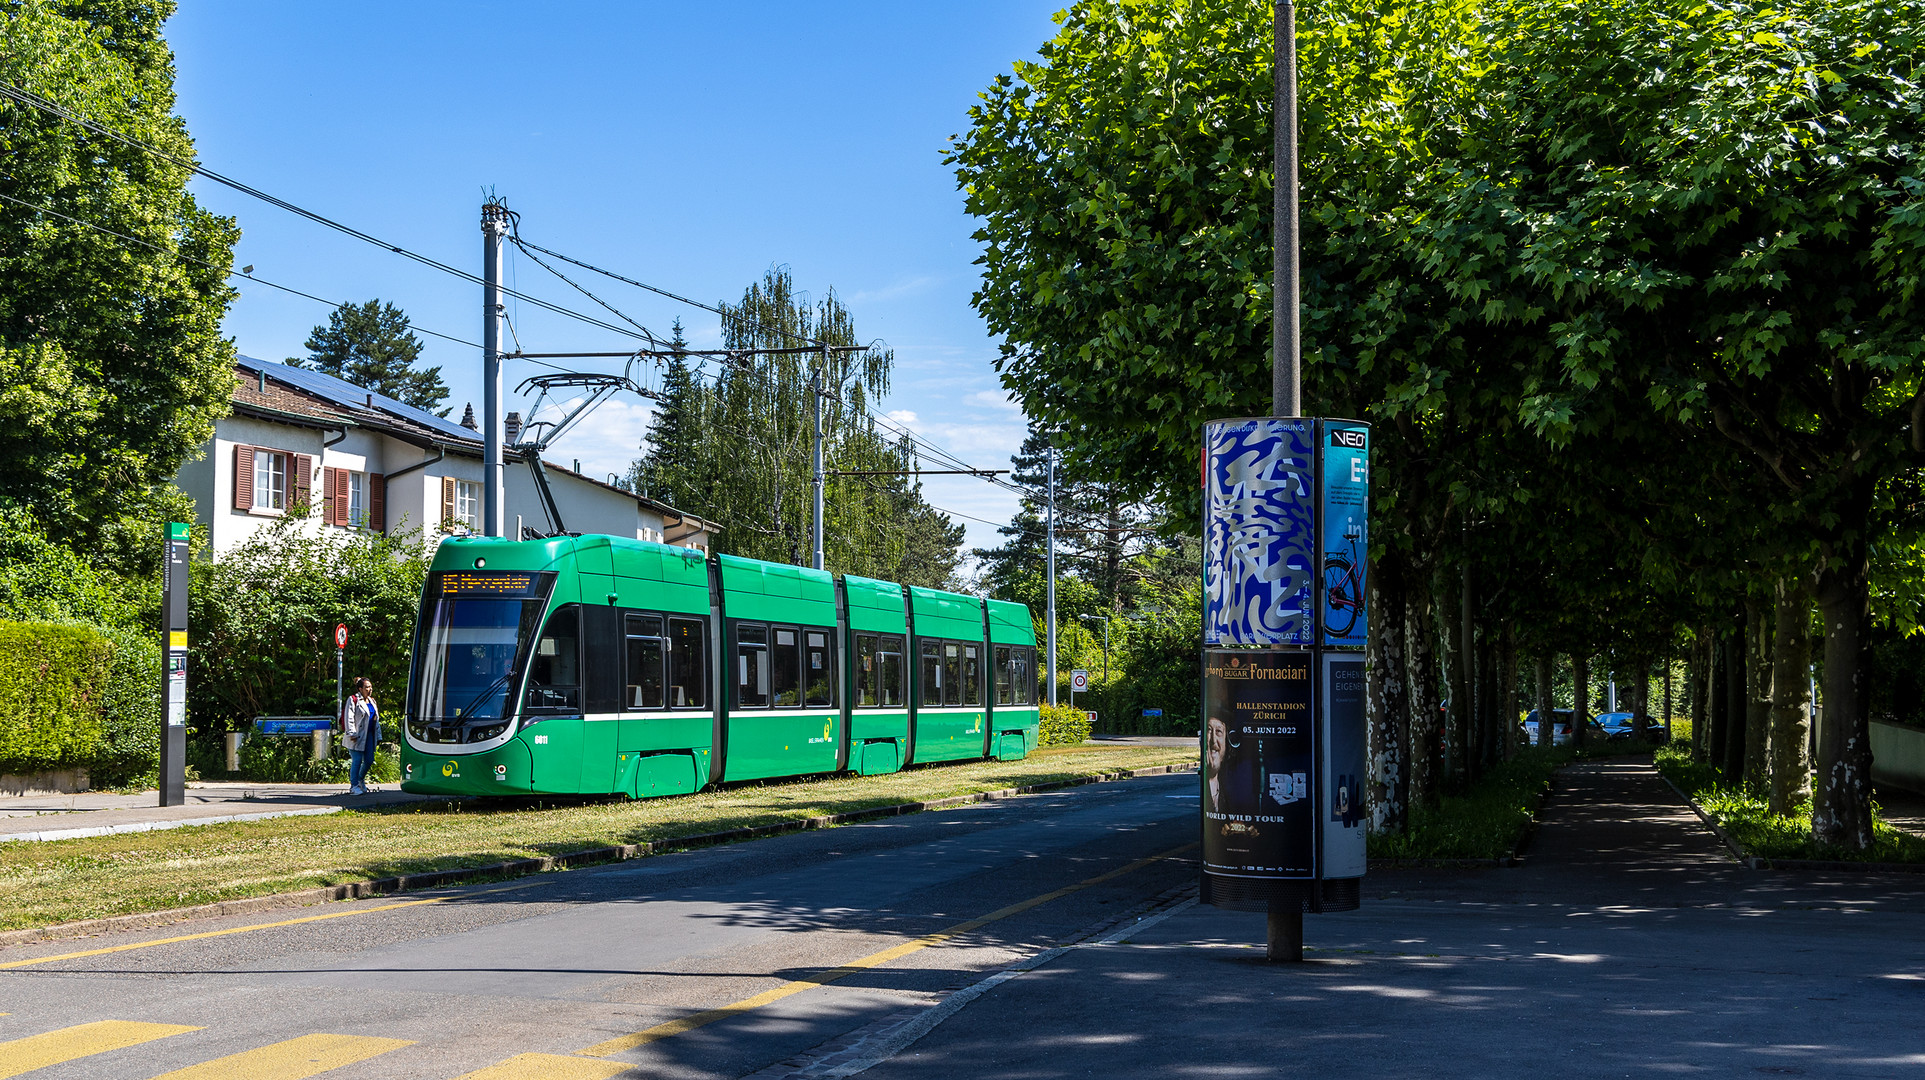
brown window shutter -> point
(343, 508)
(303, 478)
(377, 502)
(330, 504)
(447, 498)
(243, 478)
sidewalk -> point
(57, 817)
(1628, 944)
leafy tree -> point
(736, 446)
(1723, 212)
(112, 363)
(371, 346)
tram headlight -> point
(480, 563)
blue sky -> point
(688, 145)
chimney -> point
(512, 433)
(468, 417)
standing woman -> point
(361, 732)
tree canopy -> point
(735, 445)
(112, 364)
(371, 346)
(1628, 287)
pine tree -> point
(371, 346)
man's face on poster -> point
(1219, 737)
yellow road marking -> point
(82, 1040)
(260, 926)
(703, 1019)
(547, 1067)
(294, 1059)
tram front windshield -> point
(473, 645)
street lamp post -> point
(1106, 642)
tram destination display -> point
(1258, 760)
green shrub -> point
(1062, 726)
(1748, 819)
(130, 713)
(50, 680)
(1485, 822)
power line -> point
(28, 98)
(229, 271)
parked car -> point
(1560, 727)
(1622, 727)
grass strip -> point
(56, 881)
(1748, 819)
(1485, 822)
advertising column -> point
(1286, 505)
(173, 604)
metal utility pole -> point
(1285, 922)
(821, 366)
(494, 226)
(1050, 573)
(1286, 345)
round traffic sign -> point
(341, 635)
(1079, 680)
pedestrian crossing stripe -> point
(547, 1067)
(294, 1059)
(83, 1040)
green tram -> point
(602, 665)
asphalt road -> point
(712, 963)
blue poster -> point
(1345, 518)
(1259, 555)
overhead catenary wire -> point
(32, 100)
(229, 271)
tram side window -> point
(554, 678)
(1003, 696)
(867, 677)
(1022, 680)
(751, 666)
(931, 673)
(972, 679)
(889, 671)
(644, 683)
(687, 674)
(952, 684)
(818, 668)
(785, 672)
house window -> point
(463, 503)
(270, 480)
(358, 499)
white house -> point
(360, 460)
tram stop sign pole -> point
(173, 606)
(1285, 560)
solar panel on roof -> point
(343, 392)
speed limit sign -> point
(1079, 680)
(340, 635)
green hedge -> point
(51, 680)
(1062, 726)
(130, 713)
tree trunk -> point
(1734, 687)
(1463, 684)
(1717, 723)
(1507, 695)
(1389, 702)
(1694, 699)
(1640, 700)
(1580, 699)
(1667, 691)
(1841, 812)
(1757, 695)
(1545, 711)
(1420, 652)
(1790, 696)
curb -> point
(434, 879)
(1731, 846)
(159, 826)
(1755, 862)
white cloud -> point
(906, 417)
(607, 440)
